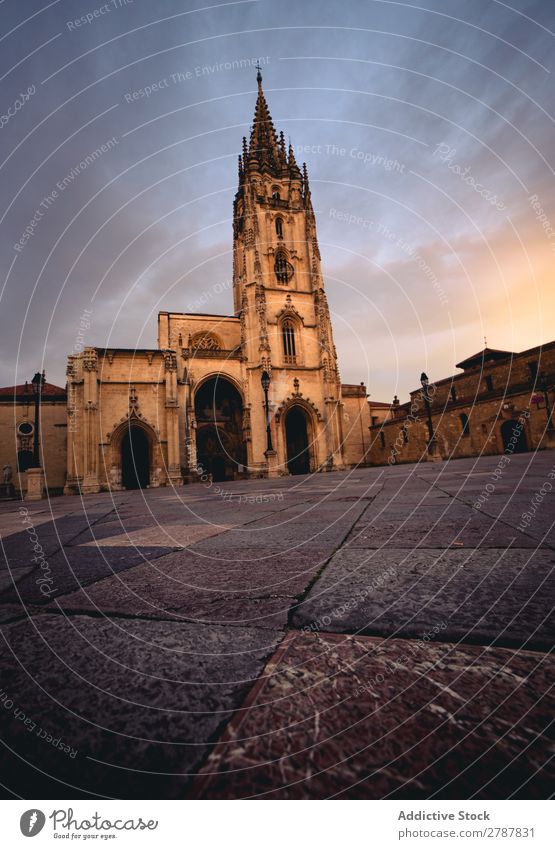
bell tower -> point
(278, 287)
(275, 247)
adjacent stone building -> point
(195, 404)
(500, 402)
(17, 433)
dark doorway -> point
(219, 416)
(135, 459)
(296, 433)
(24, 460)
(514, 438)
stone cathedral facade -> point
(195, 405)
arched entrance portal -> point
(135, 459)
(514, 437)
(296, 434)
(219, 416)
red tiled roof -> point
(49, 390)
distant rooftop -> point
(23, 392)
(488, 355)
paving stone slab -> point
(257, 591)
(479, 595)
(136, 701)
(475, 531)
(285, 537)
(169, 535)
(337, 717)
(78, 567)
(9, 577)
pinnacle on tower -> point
(292, 163)
(245, 155)
(306, 187)
(282, 153)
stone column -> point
(73, 448)
(90, 423)
(333, 433)
(172, 419)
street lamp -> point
(265, 380)
(37, 383)
(425, 385)
(542, 382)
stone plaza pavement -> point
(366, 634)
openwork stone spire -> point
(264, 151)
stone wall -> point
(53, 433)
(475, 418)
(356, 424)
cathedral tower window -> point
(282, 268)
(275, 193)
(279, 228)
(289, 346)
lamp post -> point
(265, 380)
(37, 383)
(543, 386)
(425, 384)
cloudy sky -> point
(427, 129)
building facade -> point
(196, 404)
(501, 402)
(17, 434)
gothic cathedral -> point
(254, 394)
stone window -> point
(275, 193)
(288, 337)
(489, 383)
(533, 366)
(453, 394)
(382, 438)
(405, 434)
(279, 228)
(465, 424)
(282, 268)
(205, 340)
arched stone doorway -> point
(296, 437)
(135, 458)
(219, 417)
(514, 437)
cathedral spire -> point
(264, 151)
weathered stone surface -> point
(469, 531)
(507, 598)
(251, 588)
(10, 576)
(367, 718)
(159, 613)
(77, 567)
(137, 702)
